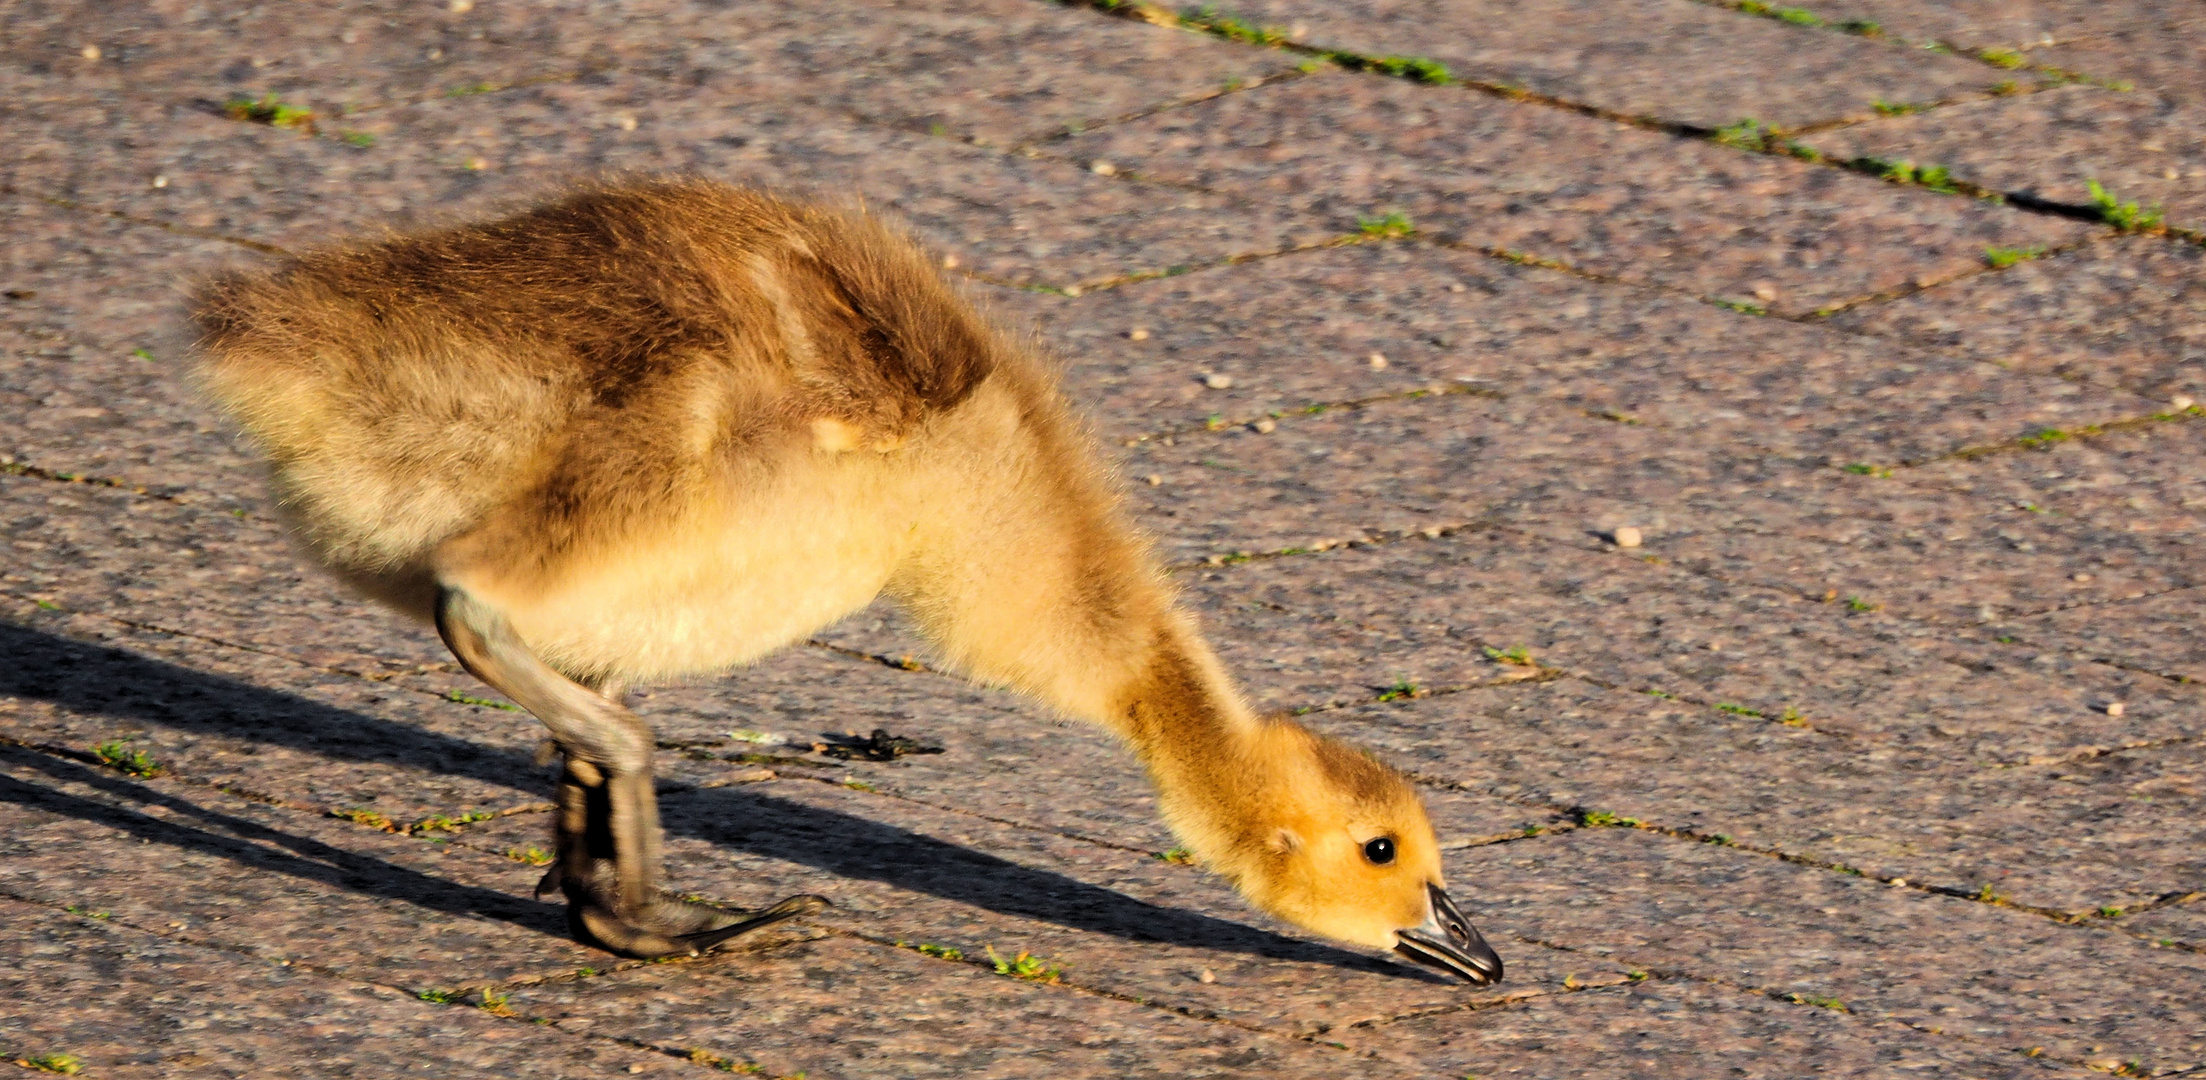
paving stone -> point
(265, 726)
(1001, 70)
(1005, 216)
(1122, 923)
(1349, 627)
(1979, 24)
(1676, 1029)
(1921, 549)
(1676, 61)
(2149, 478)
(843, 1007)
(352, 903)
(327, 56)
(1295, 331)
(2156, 634)
(825, 838)
(1611, 199)
(2141, 148)
(275, 884)
(2181, 924)
(95, 352)
(2151, 53)
(2120, 313)
(1997, 979)
(2071, 835)
(132, 1004)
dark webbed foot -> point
(598, 913)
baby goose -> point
(654, 430)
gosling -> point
(652, 430)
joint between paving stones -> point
(1592, 818)
(1994, 56)
(74, 206)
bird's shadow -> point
(99, 680)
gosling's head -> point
(1339, 844)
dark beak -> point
(1446, 941)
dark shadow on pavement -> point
(105, 681)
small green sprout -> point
(860, 785)
(2002, 58)
(1026, 966)
(439, 997)
(1856, 603)
(141, 354)
(1412, 67)
(137, 763)
(361, 139)
(530, 855)
(1605, 819)
(1178, 855)
(65, 1064)
(2126, 216)
(1387, 226)
(360, 815)
(270, 111)
(1515, 654)
(1747, 134)
(2002, 257)
(442, 823)
(1402, 688)
(2109, 912)
(1863, 469)
(943, 952)
(494, 1002)
(1792, 718)
(1831, 1003)
(1799, 16)
(1737, 710)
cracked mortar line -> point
(626, 964)
(1578, 812)
(1868, 30)
(1635, 973)
(353, 979)
(2088, 920)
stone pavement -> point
(1882, 753)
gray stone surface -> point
(1675, 61)
(1606, 198)
(2117, 313)
(2139, 147)
(1875, 627)
(2074, 835)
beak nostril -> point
(1447, 941)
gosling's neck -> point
(1205, 752)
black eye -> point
(1380, 851)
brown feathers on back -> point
(406, 388)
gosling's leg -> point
(608, 816)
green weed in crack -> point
(118, 754)
(65, 1064)
(2126, 216)
(1746, 134)
(271, 111)
(1387, 226)
(1211, 20)
(1934, 177)
(2000, 258)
